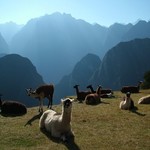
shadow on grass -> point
(134, 110)
(29, 122)
(105, 102)
(70, 143)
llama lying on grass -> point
(44, 91)
(127, 102)
(105, 93)
(58, 125)
(12, 107)
(94, 98)
(81, 94)
(131, 89)
(144, 100)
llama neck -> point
(127, 100)
(0, 102)
(91, 88)
(138, 86)
(66, 116)
(77, 90)
(98, 91)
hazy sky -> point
(103, 12)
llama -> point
(105, 93)
(131, 89)
(81, 94)
(12, 107)
(94, 98)
(44, 91)
(144, 100)
(91, 88)
(58, 125)
(127, 102)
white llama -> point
(144, 100)
(127, 102)
(59, 125)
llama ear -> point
(62, 100)
(27, 90)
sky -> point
(103, 12)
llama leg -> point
(48, 102)
(40, 105)
(51, 101)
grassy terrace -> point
(100, 127)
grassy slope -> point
(104, 126)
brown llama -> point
(81, 94)
(105, 93)
(44, 91)
(94, 98)
(131, 89)
(10, 107)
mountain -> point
(80, 75)
(3, 46)
(55, 43)
(139, 30)
(115, 33)
(124, 64)
(8, 30)
(17, 74)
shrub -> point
(146, 83)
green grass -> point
(103, 127)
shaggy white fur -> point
(127, 102)
(144, 100)
(59, 125)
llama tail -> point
(42, 119)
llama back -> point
(46, 114)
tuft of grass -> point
(102, 126)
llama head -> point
(128, 94)
(89, 86)
(67, 104)
(76, 86)
(31, 92)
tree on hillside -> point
(146, 83)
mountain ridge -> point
(124, 64)
(17, 74)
